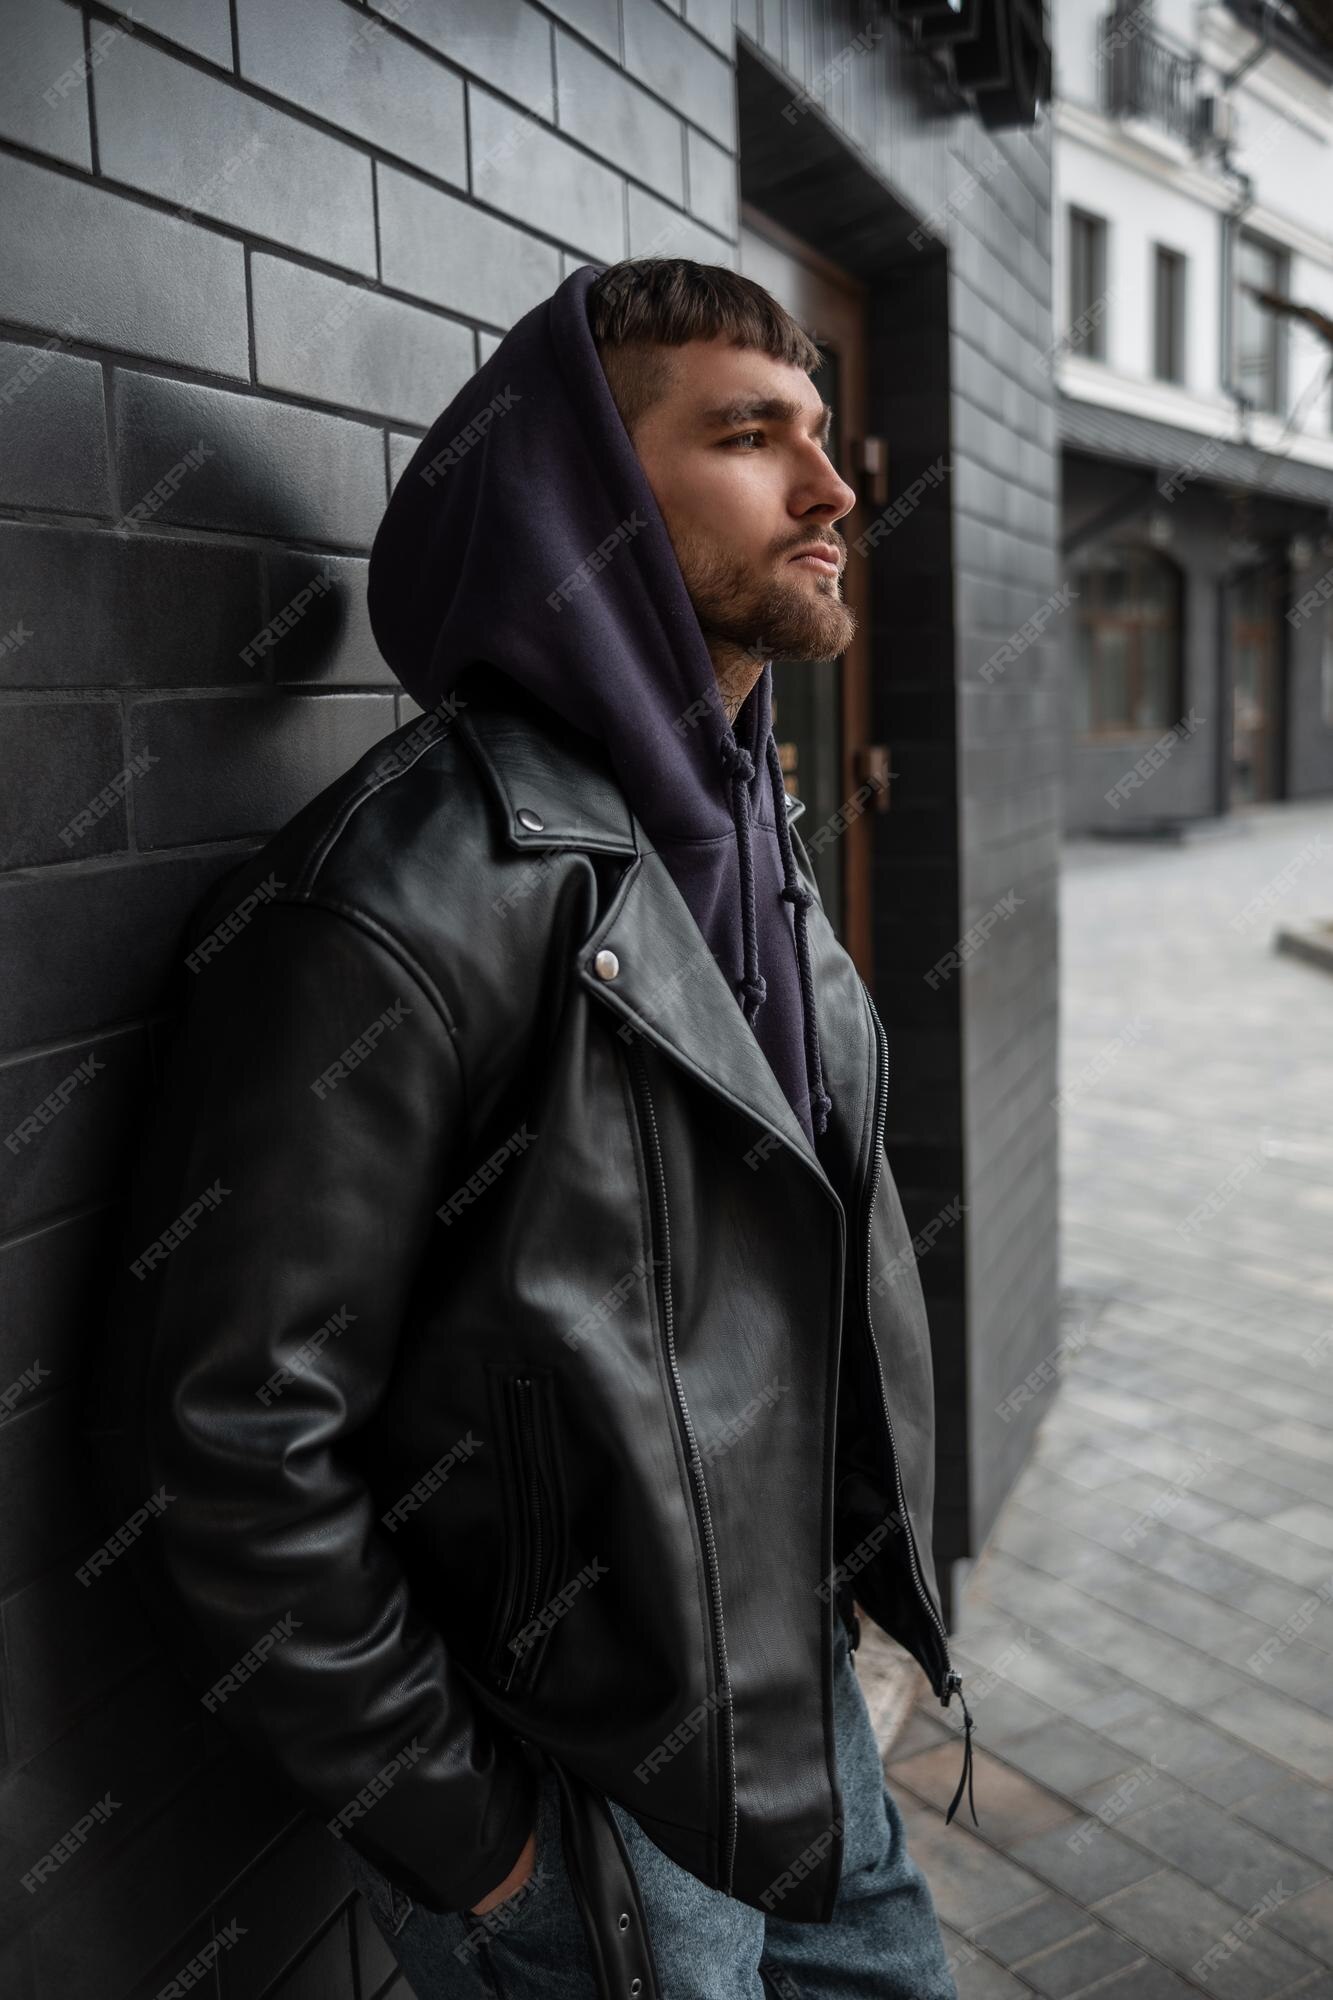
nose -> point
(828, 495)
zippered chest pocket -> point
(534, 1528)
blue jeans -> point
(884, 1941)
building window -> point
(1087, 284)
(1168, 314)
(1259, 366)
(1127, 647)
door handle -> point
(870, 766)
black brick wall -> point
(959, 320)
(247, 251)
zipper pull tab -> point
(953, 1681)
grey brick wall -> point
(247, 251)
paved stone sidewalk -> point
(1147, 1640)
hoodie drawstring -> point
(739, 766)
(752, 989)
(799, 893)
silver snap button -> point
(624, 1920)
(532, 820)
(636, 1985)
(606, 965)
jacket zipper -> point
(950, 1680)
(521, 1390)
(648, 1121)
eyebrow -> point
(777, 409)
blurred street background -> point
(1150, 1630)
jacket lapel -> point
(669, 986)
(555, 789)
(849, 1049)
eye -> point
(741, 436)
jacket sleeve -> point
(311, 1110)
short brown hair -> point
(644, 304)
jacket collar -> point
(544, 770)
(554, 787)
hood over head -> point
(524, 533)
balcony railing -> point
(1142, 77)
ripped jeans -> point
(883, 1943)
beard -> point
(768, 617)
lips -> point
(818, 556)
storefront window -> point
(1127, 660)
(1255, 687)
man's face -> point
(734, 454)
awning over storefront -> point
(1136, 440)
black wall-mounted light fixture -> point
(999, 52)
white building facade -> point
(1194, 158)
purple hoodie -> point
(483, 554)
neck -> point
(737, 668)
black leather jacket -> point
(509, 1371)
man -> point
(523, 1334)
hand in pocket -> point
(513, 1881)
